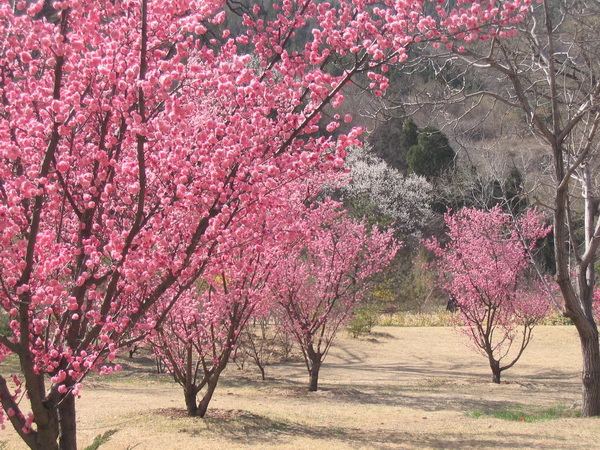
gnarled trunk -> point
(46, 430)
(494, 365)
(313, 361)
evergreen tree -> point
(432, 155)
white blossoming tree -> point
(404, 200)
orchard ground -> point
(396, 388)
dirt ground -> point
(397, 388)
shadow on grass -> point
(243, 427)
(430, 395)
(415, 400)
(379, 335)
(456, 373)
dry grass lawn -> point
(398, 388)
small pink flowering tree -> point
(321, 281)
(201, 331)
(485, 265)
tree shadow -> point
(254, 429)
(442, 401)
(380, 335)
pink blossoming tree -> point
(201, 331)
(321, 281)
(485, 266)
(130, 144)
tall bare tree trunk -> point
(558, 96)
(578, 307)
(590, 349)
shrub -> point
(365, 318)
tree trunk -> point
(190, 402)
(495, 366)
(46, 439)
(577, 305)
(496, 376)
(212, 385)
(48, 428)
(590, 352)
(313, 384)
(590, 347)
(189, 389)
(67, 423)
(590, 403)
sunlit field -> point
(399, 387)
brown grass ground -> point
(398, 388)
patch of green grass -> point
(520, 415)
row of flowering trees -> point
(311, 273)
